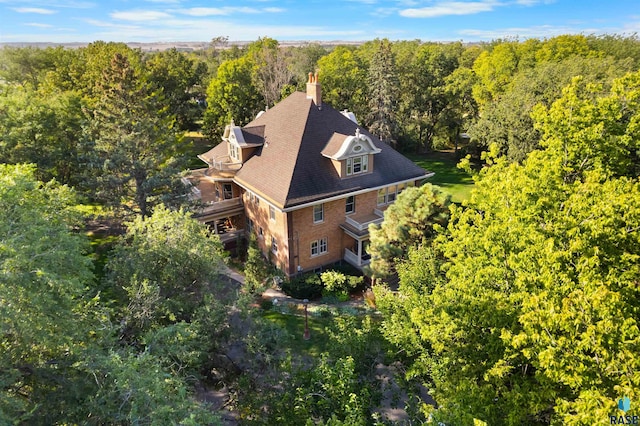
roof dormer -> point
(241, 142)
(351, 154)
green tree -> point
(131, 149)
(46, 316)
(255, 268)
(507, 121)
(344, 81)
(26, 65)
(413, 219)
(179, 77)
(534, 320)
(383, 93)
(426, 100)
(231, 96)
(44, 129)
(166, 264)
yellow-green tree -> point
(535, 318)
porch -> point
(212, 211)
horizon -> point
(195, 21)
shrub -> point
(307, 286)
(338, 284)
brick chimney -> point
(314, 89)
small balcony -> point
(358, 226)
(221, 167)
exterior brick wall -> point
(259, 213)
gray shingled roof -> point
(289, 168)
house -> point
(306, 179)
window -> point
(382, 196)
(250, 225)
(391, 194)
(233, 151)
(272, 213)
(274, 245)
(359, 164)
(350, 205)
(318, 213)
(319, 247)
(260, 232)
(227, 191)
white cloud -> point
(37, 10)
(140, 15)
(38, 25)
(224, 11)
(450, 8)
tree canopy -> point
(534, 318)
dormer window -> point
(359, 164)
(351, 155)
(233, 151)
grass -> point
(195, 143)
(294, 325)
(455, 181)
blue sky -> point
(428, 20)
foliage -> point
(305, 286)
(131, 144)
(426, 97)
(383, 93)
(343, 78)
(337, 281)
(507, 121)
(46, 311)
(133, 389)
(414, 218)
(523, 312)
(338, 388)
(43, 129)
(179, 77)
(256, 268)
(231, 96)
(166, 264)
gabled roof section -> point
(243, 137)
(290, 169)
(342, 146)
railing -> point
(363, 226)
(353, 259)
(224, 204)
(230, 235)
(225, 163)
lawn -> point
(294, 325)
(455, 181)
(195, 143)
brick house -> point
(306, 179)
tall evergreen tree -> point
(383, 93)
(132, 149)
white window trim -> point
(319, 245)
(274, 245)
(346, 203)
(364, 164)
(272, 213)
(321, 212)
